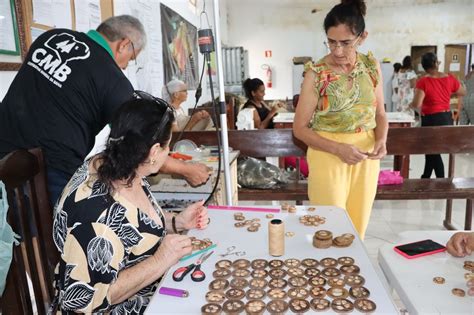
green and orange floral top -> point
(347, 102)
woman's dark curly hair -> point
(135, 128)
(251, 85)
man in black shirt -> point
(66, 91)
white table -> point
(413, 278)
(222, 231)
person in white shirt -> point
(395, 78)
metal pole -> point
(222, 105)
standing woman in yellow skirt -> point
(341, 117)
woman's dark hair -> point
(429, 60)
(406, 63)
(251, 85)
(348, 12)
(397, 66)
(136, 126)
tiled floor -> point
(392, 217)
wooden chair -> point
(30, 215)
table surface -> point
(392, 117)
(222, 231)
(413, 278)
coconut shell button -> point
(259, 273)
(276, 294)
(241, 273)
(277, 273)
(342, 306)
(276, 263)
(297, 282)
(299, 306)
(318, 292)
(336, 282)
(309, 262)
(319, 304)
(331, 272)
(350, 270)
(259, 264)
(459, 292)
(345, 261)
(296, 272)
(255, 294)
(211, 309)
(354, 280)
(233, 307)
(338, 293)
(365, 305)
(223, 264)
(239, 283)
(241, 264)
(277, 283)
(292, 263)
(215, 297)
(235, 294)
(298, 293)
(218, 284)
(277, 307)
(258, 283)
(317, 281)
(328, 262)
(255, 307)
(312, 272)
(359, 292)
(222, 273)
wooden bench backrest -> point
(400, 141)
(31, 216)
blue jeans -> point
(57, 180)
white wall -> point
(291, 30)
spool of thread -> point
(276, 237)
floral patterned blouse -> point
(347, 102)
(98, 235)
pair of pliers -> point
(197, 275)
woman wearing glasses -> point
(175, 92)
(341, 117)
(115, 241)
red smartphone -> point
(419, 249)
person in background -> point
(406, 83)
(395, 95)
(461, 244)
(341, 117)
(466, 116)
(114, 240)
(175, 92)
(67, 90)
(432, 95)
(263, 115)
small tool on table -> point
(197, 275)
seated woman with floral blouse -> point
(115, 241)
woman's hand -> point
(379, 151)
(202, 114)
(461, 244)
(350, 154)
(172, 248)
(193, 217)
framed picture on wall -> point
(180, 53)
(9, 39)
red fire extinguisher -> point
(268, 75)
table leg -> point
(402, 163)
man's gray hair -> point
(124, 26)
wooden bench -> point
(401, 141)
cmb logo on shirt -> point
(51, 60)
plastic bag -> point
(7, 239)
(389, 178)
(254, 173)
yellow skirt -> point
(351, 187)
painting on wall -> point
(180, 53)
